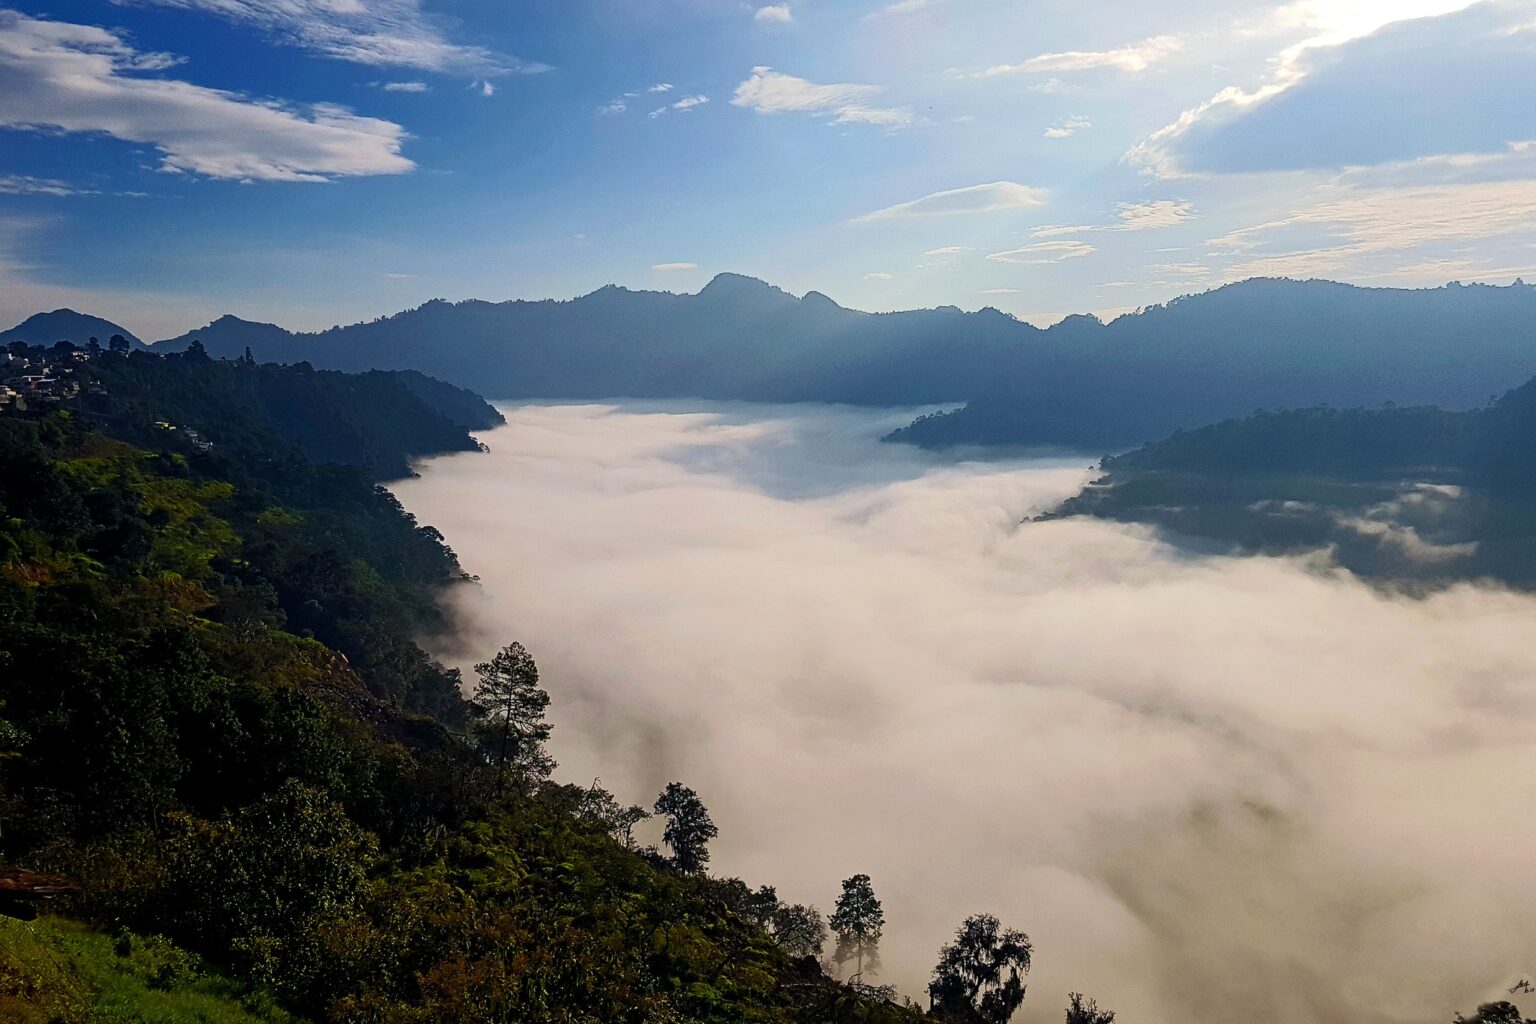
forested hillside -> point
(1408, 495)
(215, 720)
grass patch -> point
(54, 971)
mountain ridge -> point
(1083, 382)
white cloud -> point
(771, 92)
(380, 33)
(1327, 26)
(901, 7)
(1130, 59)
(487, 88)
(1067, 127)
(405, 87)
(611, 109)
(689, 102)
(999, 291)
(77, 78)
(1360, 233)
(879, 275)
(660, 87)
(994, 197)
(1044, 252)
(774, 14)
(948, 250)
(667, 268)
(1058, 230)
(25, 185)
(1160, 213)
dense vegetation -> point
(376, 421)
(1402, 495)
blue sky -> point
(312, 162)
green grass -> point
(58, 972)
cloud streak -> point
(379, 33)
(1200, 783)
(77, 78)
(993, 197)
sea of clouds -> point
(1211, 789)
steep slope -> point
(65, 325)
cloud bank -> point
(1210, 789)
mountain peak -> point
(64, 325)
(740, 286)
(818, 300)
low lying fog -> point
(1210, 789)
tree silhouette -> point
(979, 977)
(1502, 1012)
(857, 920)
(510, 708)
(1086, 1011)
(118, 343)
(689, 828)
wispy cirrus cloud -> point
(1044, 252)
(1360, 232)
(379, 33)
(26, 185)
(79, 78)
(768, 91)
(1130, 59)
(993, 197)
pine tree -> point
(510, 708)
(857, 920)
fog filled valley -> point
(1208, 787)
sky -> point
(313, 162)
(1201, 797)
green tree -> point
(858, 920)
(1086, 1011)
(118, 343)
(979, 977)
(510, 708)
(689, 828)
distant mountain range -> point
(1263, 343)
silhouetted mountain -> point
(1261, 343)
(64, 325)
(229, 335)
(1410, 494)
(1257, 344)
